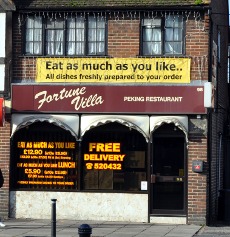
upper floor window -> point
(162, 36)
(65, 36)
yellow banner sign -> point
(113, 70)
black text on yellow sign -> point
(114, 70)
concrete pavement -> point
(69, 228)
(214, 231)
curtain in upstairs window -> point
(96, 35)
(75, 36)
(173, 35)
(55, 36)
(33, 44)
(60, 35)
(55, 42)
(152, 37)
(162, 35)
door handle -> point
(179, 179)
(153, 179)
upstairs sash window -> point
(162, 36)
(65, 35)
(54, 36)
(33, 35)
(75, 36)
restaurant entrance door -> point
(168, 172)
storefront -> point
(121, 157)
(109, 112)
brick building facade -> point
(143, 111)
(6, 9)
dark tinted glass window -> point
(114, 158)
(44, 156)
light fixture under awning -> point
(67, 122)
(180, 121)
(139, 123)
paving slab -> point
(69, 228)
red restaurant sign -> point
(108, 99)
(2, 112)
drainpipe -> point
(209, 117)
(219, 161)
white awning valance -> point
(142, 123)
(180, 121)
(67, 122)
(139, 123)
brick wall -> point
(197, 47)
(4, 165)
(123, 38)
(197, 182)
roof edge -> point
(120, 8)
(7, 5)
